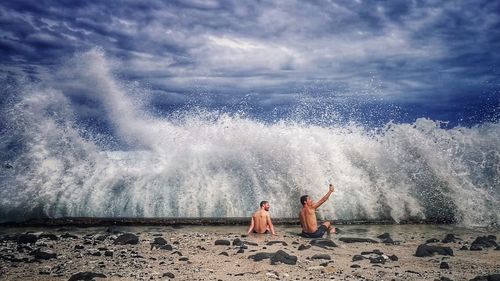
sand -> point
(191, 254)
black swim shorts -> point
(317, 234)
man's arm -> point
(270, 224)
(252, 224)
(325, 197)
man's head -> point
(265, 205)
(304, 199)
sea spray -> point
(203, 163)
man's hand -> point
(331, 188)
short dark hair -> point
(303, 199)
(262, 203)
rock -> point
(357, 258)
(127, 239)
(497, 248)
(279, 256)
(183, 258)
(283, 257)
(169, 275)
(222, 242)
(493, 277)
(166, 247)
(378, 259)
(323, 243)
(237, 242)
(276, 242)
(464, 248)
(386, 238)
(485, 241)
(444, 265)
(450, 238)
(393, 258)
(79, 247)
(86, 276)
(432, 240)
(321, 257)
(101, 237)
(251, 243)
(45, 270)
(158, 242)
(303, 247)
(27, 238)
(425, 250)
(240, 251)
(108, 253)
(475, 247)
(357, 240)
(355, 266)
(376, 251)
(49, 236)
(260, 256)
(224, 254)
(272, 275)
(43, 255)
(70, 236)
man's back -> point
(260, 217)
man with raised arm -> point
(261, 220)
(307, 216)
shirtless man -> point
(307, 216)
(261, 220)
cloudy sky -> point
(435, 59)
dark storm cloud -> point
(399, 51)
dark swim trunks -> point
(266, 232)
(317, 234)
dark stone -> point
(485, 241)
(464, 248)
(158, 242)
(49, 236)
(183, 258)
(497, 248)
(166, 247)
(357, 258)
(43, 255)
(357, 240)
(355, 266)
(444, 265)
(260, 256)
(304, 247)
(70, 236)
(169, 275)
(425, 250)
(127, 239)
(475, 247)
(86, 276)
(27, 238)
(79, 247)
(321, 257)
(283, 257)
(96, 254)
(323, 243)
(386, 238)
(493, 277)
(450, 238)
(376, 251)
(279, 256)
(101, 238)
(222, 242)
(108, 253)
(276, 242)
(378, 259)
(432, 240)
(251, 243)
(224, 254)
(393, 258)
(237, 242)
(240, 251)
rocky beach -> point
(357, 252)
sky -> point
(370, 60)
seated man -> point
(261, 220)
(307, 217)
